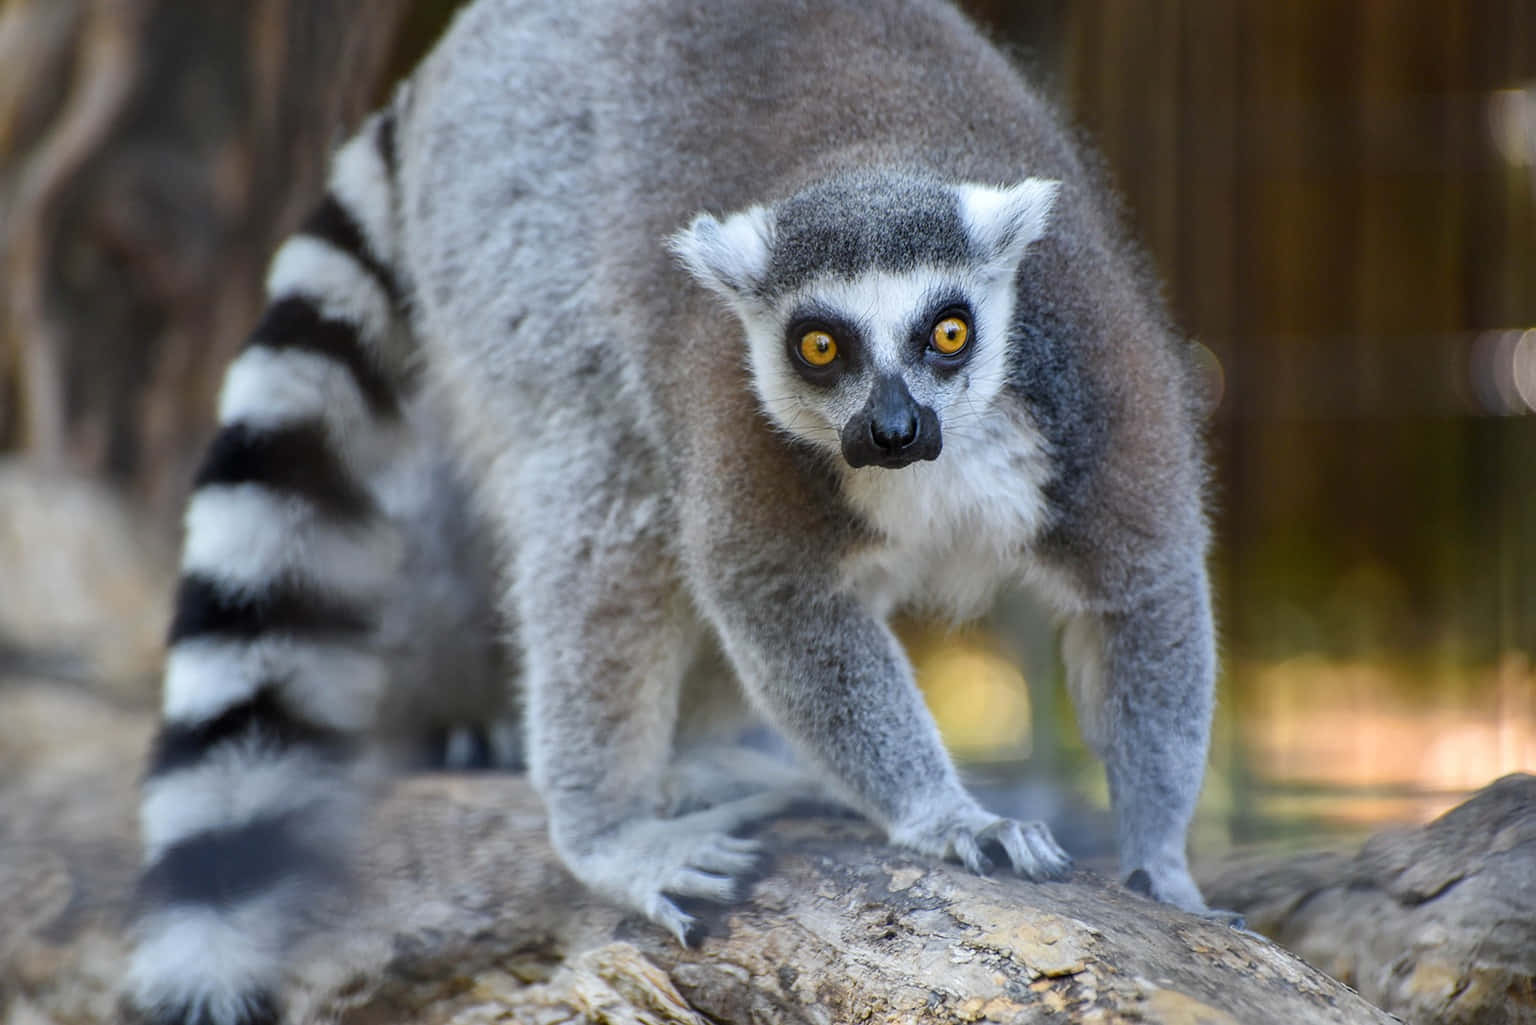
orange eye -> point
(817, 348)
(949, 336)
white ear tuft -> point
(1003, 222)
(729, 257)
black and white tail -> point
(270, 682)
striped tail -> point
(252, 788)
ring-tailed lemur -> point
(915, 365)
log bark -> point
(841, 929)
(1435, 924)
(462, 913)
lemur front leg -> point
(835, 681)
(1142, 680)
(607, 639)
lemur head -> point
(877, 306)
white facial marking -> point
(884, 306)
(954, 528)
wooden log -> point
(481, 923)
(1435, 924)
(462, 913)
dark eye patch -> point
(941, 304)
(852, 352)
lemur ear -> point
(1003, 222)
(729, 257)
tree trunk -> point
(152, 153)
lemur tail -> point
(270, 681)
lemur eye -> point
(949, 335)
(817, 348)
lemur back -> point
(901, 360)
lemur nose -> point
(893, 424)
(892, 433)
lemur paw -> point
(651, 864)
(1027, 847)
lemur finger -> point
(693, 882)
(1052, 864)
(739, 844)
(1007, 834)
(1037, 848)
(728, 856)
(1030, 849)
(969, 853)
(1057, 861)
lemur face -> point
(876, 310)
(877, 368)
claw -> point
(673, 919)
(661, 867)
(693, 935)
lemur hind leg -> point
(608, 636)
(717, 774)
(725, 752)
(451, 701)
(1142, 682)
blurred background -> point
(1339, 194)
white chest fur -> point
(956, 529)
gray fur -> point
(682, 549)
(445, 644)
(871, 218)
(640, 496)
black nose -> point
(895, 431)
(891, 430)
(892, 415)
